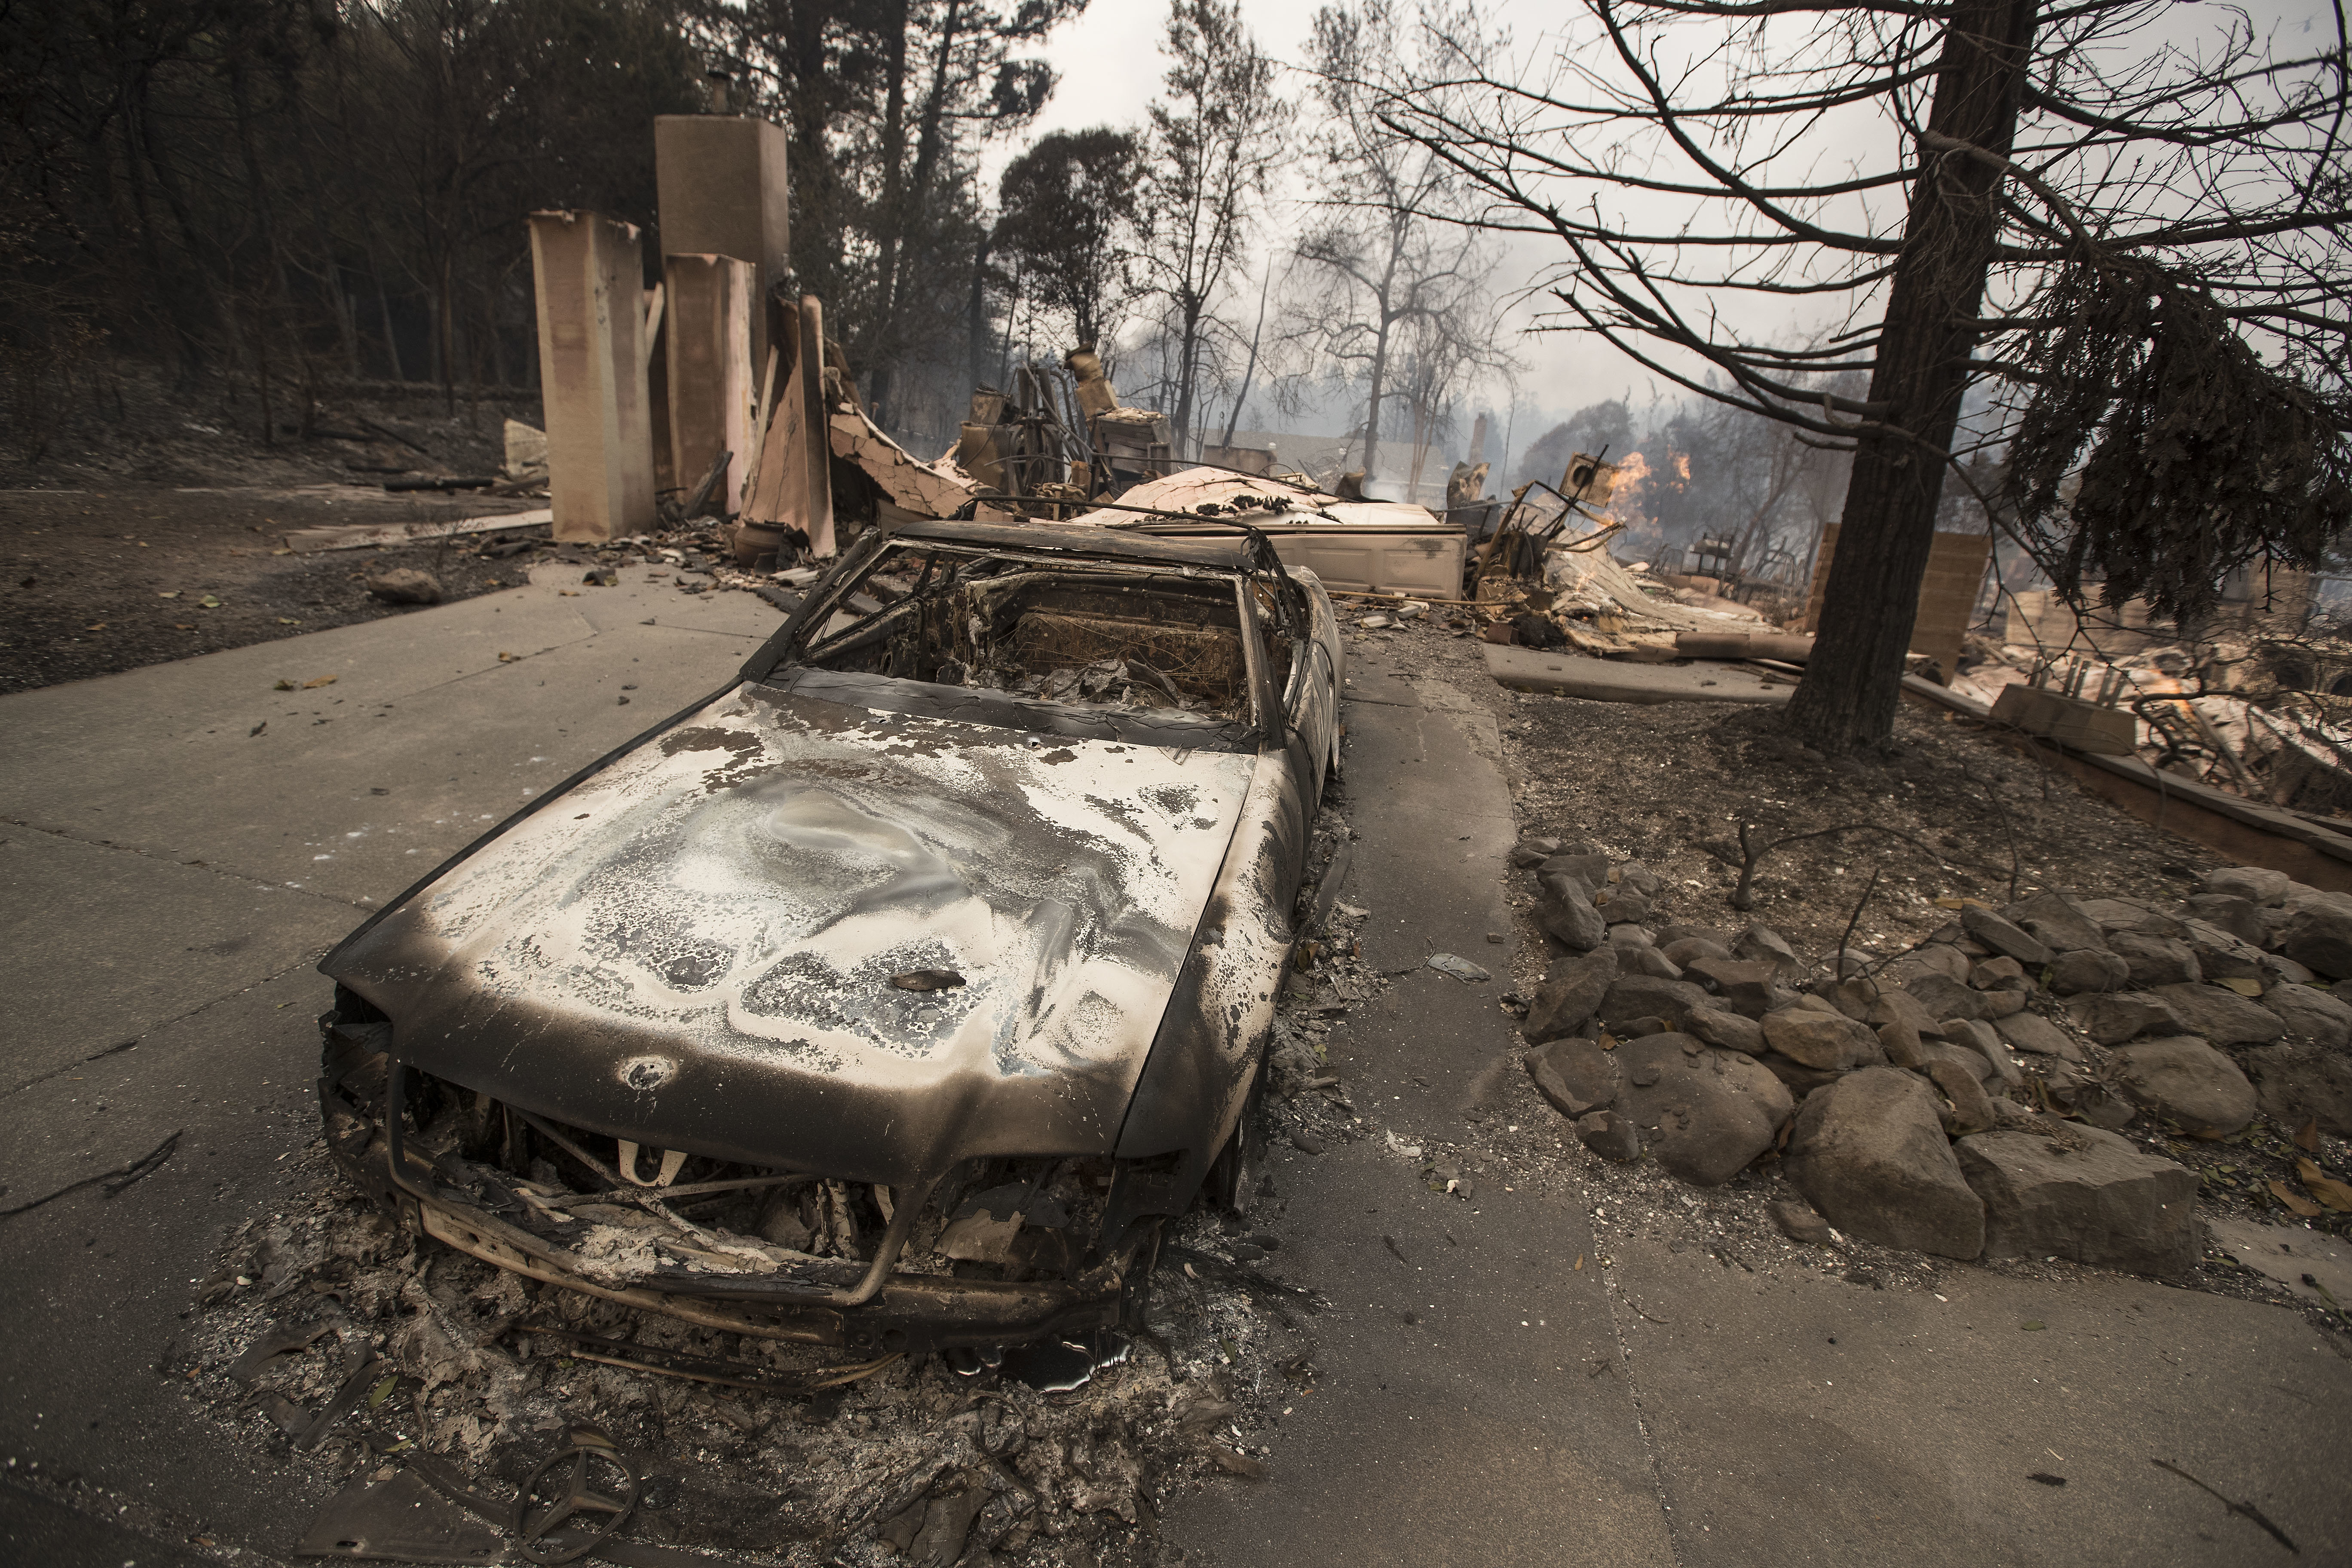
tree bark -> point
(1855, 681)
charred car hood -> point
(695, 947)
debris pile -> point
(1964, 1095)
(333, 1341)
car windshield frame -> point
(783, 664)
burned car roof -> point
(1088, 540)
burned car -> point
(891, 997)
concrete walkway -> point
(168, 876)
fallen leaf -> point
(256, 730)
(321, 680)
(2307, 1137)
(2295, 1202)
(2033, 1324)
(2336, 1194)
(99, 626)
(281, 553)
(1236, 1464)
(284, 686)
(209, 603)
(2242, 985)
(508, 657)
(169, 594)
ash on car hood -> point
(694, 948)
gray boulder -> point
(2059, 1191)
(2002, 974)
(1565, 909)
(2278, 969)
(2001, 936)
(405, 585)
(1944, 998)
(1575, 1075)
(1965, 1057)
(1589, 869)
(1619, 904)
(2155, 960)
(2183, 1078)
(1893, 1007)
(1765, 945)
(2319, 933)
(2057, 922)
(2001, 1003)
(1729, 1030)
(1902, 1044)
(1641, 958)
(1532, 852)
(1705, 1113)
(1641, 878)
(2115, 1018)
(1932, 958)
(2222, 955)
(2296, 1084)
(2130, 914)
(2226, 912)
(1971, 1108)
(1798, 1221)
(1982, 1039)
(2310, 1015)
(2222, 1016)
(2088, 968)
(1827, 1042)
(1687, 950)
(1869, 1152)
(2255, 884)
(1566, 1001)
(1636, 997)
(2033, 1033)
(1745, 985)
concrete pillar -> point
(719, 181)
(712, 303)
(592, 349)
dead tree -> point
(1930, 176)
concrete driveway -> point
(178, 844)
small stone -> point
(1892, 1005)
(1825, 1041)
(1931, 958)
(1869, 1150)
(2221, 1016)
(2296, 1084)
(2186, 1080)
(2310, 1015)
(2085, 969)
(2255, 884)
(1305, 1141)
(2117, 1016)
(1641, 878)
(2034, 1034)
(2001, 936)
(405, 585)
(2057, 922)
(1567, 1000)
(1609, 1135)
(2154, 961)
(2001, 1003)
(1457, 967)
(1798, 1221)
(1619, 905)
(2279, 970)
(1965, 1057)
(2083, 1195)
(1575, 1075)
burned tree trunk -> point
(1848, 697)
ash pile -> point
(446, 1403)
(2062, 1078)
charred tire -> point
(1233, 1180)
